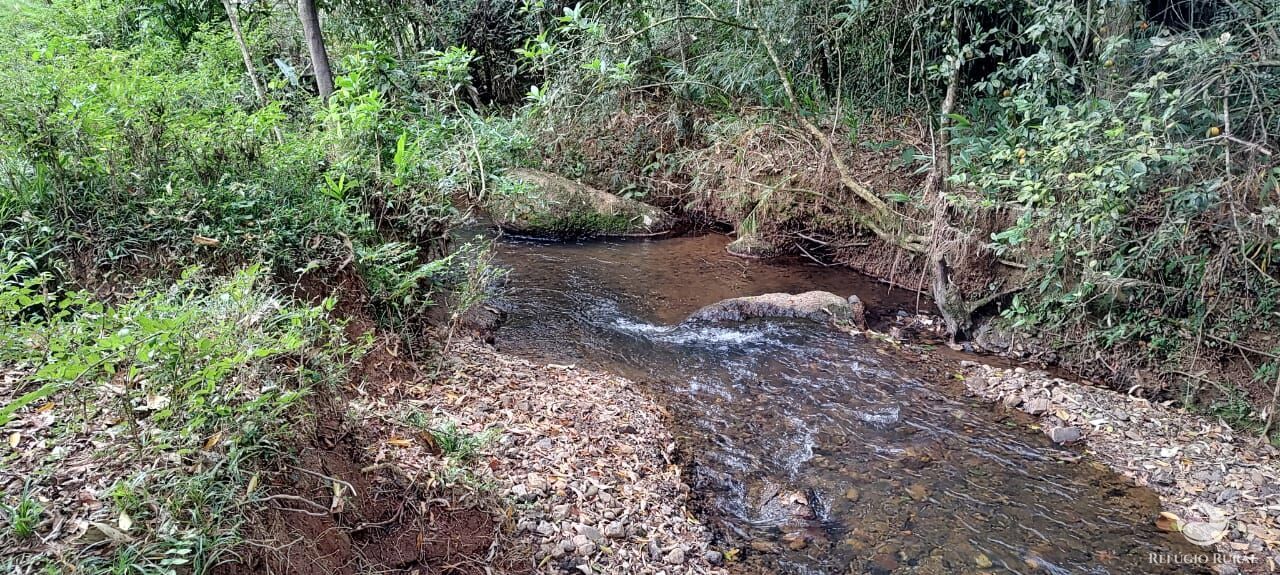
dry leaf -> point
(124, 522)
(205, 241)
(45, 407)
(213, 441)
(1168, 522)
(400, 442)
(253, 485)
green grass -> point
(207, 386)
(23, 517)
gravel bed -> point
(1214, 483)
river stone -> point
(1038, 406)
(552, 205)
(752, 246)
(819, 306)
(1064, 434)
(857, 312)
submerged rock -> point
(552, 205)
(819, 306)
(752, 246)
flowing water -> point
(814, 450)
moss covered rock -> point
(545, 204)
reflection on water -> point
(817, 451)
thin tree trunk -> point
(315, 44)
(937, 180)
(234, 17)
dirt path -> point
(1218, 487)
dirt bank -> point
(1218, 485)
(583, 459)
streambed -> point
(815, 451)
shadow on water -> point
(819, 451)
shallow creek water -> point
(813, 450)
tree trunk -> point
(234, 17)
(937, 180)
(315, 44)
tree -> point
(233, 17)
(315, 44)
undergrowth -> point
(170, 402)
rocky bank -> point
(1218, 486)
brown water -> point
(813, 450)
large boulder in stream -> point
(547, 204)
(818, 306)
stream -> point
(814, 450)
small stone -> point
(1064, 434)
(1012, 401)
(1020, 370)
(852, 494)
(546, 529)
(762, 546)
(1038, 406)
(713, 557)
(615, 530)
(675, 557)
(590, 532)
(982, 561)
(918, 491)
(795, 541)
(583, 545)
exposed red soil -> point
(332, 510)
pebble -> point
(1064, 434)
(795, 541)
(675, 557)
(615, 530)
(1038, 406)
(590, 532)
(713, 557)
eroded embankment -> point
(1221, 487)
(582, 457)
